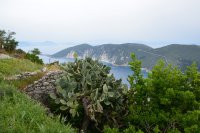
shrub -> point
(34, 58)
(167, 101)
(20, 51)
(89, 95)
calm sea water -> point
(119, 72)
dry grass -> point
(53, 67)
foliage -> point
(34, 58)
(20, 51)
(36, 51)
(180, 55)
(1, 76)
(2, 38)
(20, 114)
(14, 66)
(10, 45)
(107, 129)
(88, 94)
(7, 41)
(130, 129)
(167, 101)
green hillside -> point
(79, 49)
(17, 66)
(180, 55)
(119, 54)
(18, 112)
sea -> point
(119, 72)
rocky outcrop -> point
(4, 56)
(41, 89)
(22, 76)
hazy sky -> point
(153, 22)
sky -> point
(152, 22)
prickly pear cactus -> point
(87, 84)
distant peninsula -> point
(119, 54)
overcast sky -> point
(152, 22)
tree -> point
(7, 41)
(36, 51)
(34, 58)
(2, 38)
(167, 101)
(89, 95)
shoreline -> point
(124, 65)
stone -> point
(35, 82)
(41, 88)
(45, 83)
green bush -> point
(88, 95)
(167, 101)
(20, 51)
(107, 129)
(34, 58)
(19, 114)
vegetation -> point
(167, 101)
(36, 51)
(20, 114)
(34, 58)
(14, 66)
(9, 44)
(176, 54)
(21, 84)
(7, 41)
(88, 95)
(180, 55)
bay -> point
(119, 72)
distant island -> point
(119, 54)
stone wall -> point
(21, 76)
(41, 89)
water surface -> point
(119, 72)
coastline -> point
(117, 65)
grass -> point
(21, 84)
(20, 114)
(53, 67)
(9, 67)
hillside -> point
(119, 54)
(114, 53)
(180, 55)
(18, 112)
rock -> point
(40, 89)
(35, 82)
(44, 69)
(45, 83)
(4, 56)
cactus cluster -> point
(88, 84)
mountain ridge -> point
(119, 54)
